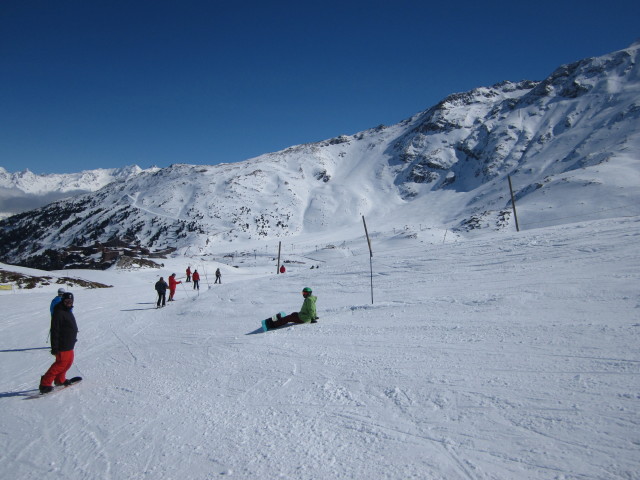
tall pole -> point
(370, 256)
(279, 248)
(513, 203)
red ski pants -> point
(58, 370)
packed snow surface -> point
(494, 356)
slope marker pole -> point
(513, 204)
(370, 256)
(279, 249)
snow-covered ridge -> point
(25, 190)
(570, 144)
(89, 180)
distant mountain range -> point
(23, 191)
(570, 143)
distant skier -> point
(218, 276)
(188, 274)
(196, 280)
(172, 286)
(56, 300)
(64, 333)
(307, 313)
(282, 269)
(161, 288)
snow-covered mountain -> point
(23, 191)
(566, 142)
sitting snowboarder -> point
(307, 313)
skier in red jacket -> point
(172, 286)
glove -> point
(54, 351)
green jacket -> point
(308, 310)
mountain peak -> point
(567, 142)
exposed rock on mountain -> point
(565, 141)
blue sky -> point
(108, 83)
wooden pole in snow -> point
(513, 203)
(278, 267)
(370, 256)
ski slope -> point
(499, 356)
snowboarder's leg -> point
(289, 318)
(67, 361)
(57, 371)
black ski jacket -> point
(161, 286)
(64, 330)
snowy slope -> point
(565, 141)
(490, 356)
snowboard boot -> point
(43, 389)
(71, 381)
(267, 324)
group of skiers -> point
(64, 330)
(161, 286)
(196, 277)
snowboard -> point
(58, 388)
(273, 318)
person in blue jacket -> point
(56, 300)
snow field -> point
(494, 357)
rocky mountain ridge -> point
(568, 142)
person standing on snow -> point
(218, 276)
(307, 313)
(64, 333)
(56, 300)
(188, 274)
(161, 288)
(196, 280)
(172, 286)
